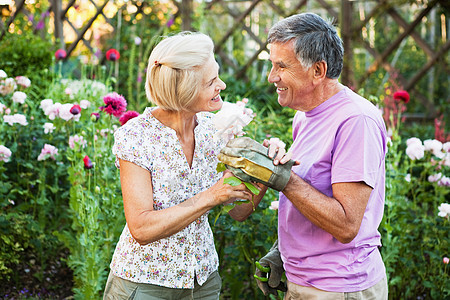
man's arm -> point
(340, 215)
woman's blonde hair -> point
(174, 74)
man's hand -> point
(249, 161)
(269, 271)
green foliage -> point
(414, 237)
(29, 55)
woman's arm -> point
(148, 225)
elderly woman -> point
(167, 158)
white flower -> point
(8, 86)
(2, 108)
(274, 205)
(23, 81)
(408, 177)
(46, 103)
(19, 97)
(52, 110)
(17, 118)
(137, 40)
(85, 104)
(446, 147)
(64, 111)
(434, 177)
(446, 160)
(3, 74)
(415, 150)
(5, 153)
(444, 181)
(48, 128)
(231, 119)
(434, 146)
(412, 141)
(444, 210)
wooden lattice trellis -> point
(241, 11)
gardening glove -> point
(268, 272)
(248, 160)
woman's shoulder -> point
(138, 124)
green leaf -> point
(220, 167)
(252, 188)
(233, 181)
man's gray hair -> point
(314, 40)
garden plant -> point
(61, 209)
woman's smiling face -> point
(209, 96)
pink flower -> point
(128, 116)
(112, 55)
(446, 260)
(401, 96)
(5, 153)
(87, 163)
(76, 139)
(75, 110)
(60, 54)
(116, 104)
(48, 151)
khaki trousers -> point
(121, 289)
(297, 292)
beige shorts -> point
(118, 289)
(297, 292)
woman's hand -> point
(223, 193)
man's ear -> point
(320, 70)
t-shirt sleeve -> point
(129, 145)
(359, 151)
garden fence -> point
(425, 22)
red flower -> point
(87, 163)
(75, 110)
(112, 54)
(116, 104)
(128, 116)
(60, 54)
(401, 96)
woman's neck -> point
(182, 122)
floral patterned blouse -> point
(176, 260)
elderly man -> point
(332, 205)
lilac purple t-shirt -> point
(341, 140)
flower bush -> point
(58, 171)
